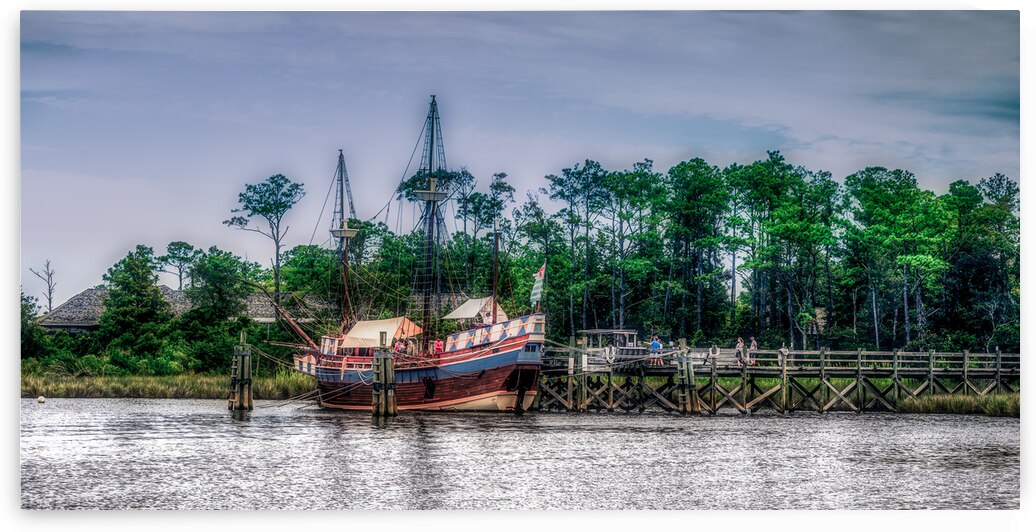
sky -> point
(142, 127)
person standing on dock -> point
(656, 347)
(740, 349)
(752, 348)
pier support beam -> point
(581, 393)
(383, 396)
(241, 377)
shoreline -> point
(290, 385)
(186, 386)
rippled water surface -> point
(180, 454)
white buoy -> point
(41, 399)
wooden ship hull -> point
(490, 368)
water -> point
(184, 454)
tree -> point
(205, 335)
(47, 275)
(135, 310)
(270, 201)
(180, 256)
(217, 288)
(699, 202)
(34, 338)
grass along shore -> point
(290, 384)
(283, 385)
(999, 405)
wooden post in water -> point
(241, 377)
(376, 388)
(683, 386)
(712, 381)
(895, 377)
(383, 396)
(692, 381)
(570, 404)
(390, 383)
(860, 394)
(999, 388)
(784, 382)
(744, 381)
(967, 383)
(931, 372)
(823, 380)
(581, 377)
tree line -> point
(780, 252)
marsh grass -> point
(1000, 405)
(282, 385)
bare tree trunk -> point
(586, 275)
(906, 307)
(791, 321)
(733, 285)
(572, 285)
(855, 310)
(683, 295)
(615, 259)
(622, 275)
(697, 282)
(874, 311)
(919, 308)
(895, 323)
(277, 265)
(668, 290)
(47, 275)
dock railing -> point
(820, 380)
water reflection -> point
(99, 453)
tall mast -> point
(344, 189)
(340, 230)
(435, 159)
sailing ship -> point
(492, 365)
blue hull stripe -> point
(496, 360)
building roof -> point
(83, 310)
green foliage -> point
(786, 254)
(179, 256)
(218, 290)
(269, 200)
(34, 341)
(135, 310)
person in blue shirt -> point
(656, 346)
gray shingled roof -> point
(83, 310)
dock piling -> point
(241, 377)
(383, 396)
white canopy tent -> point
(474, 308)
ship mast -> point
(340, 230)
(435, 159)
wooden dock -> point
(709, 381)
